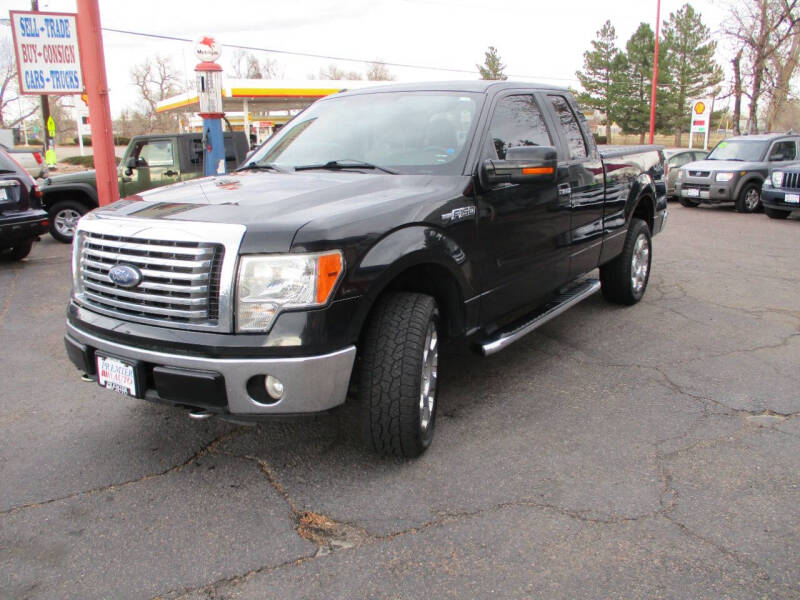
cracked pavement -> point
(644, 452)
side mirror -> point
(523, 164)
(130, 165)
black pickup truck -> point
(375, 224)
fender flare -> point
(749, 178)
(86, 190)
(396, 253)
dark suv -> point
(22, 219)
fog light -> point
(274, 387)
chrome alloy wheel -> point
(430, 366)
(640, 263)
(751, 199)
(66, 221)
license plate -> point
(792, 198)
(116, 375)
(692, 192)
(3, 194)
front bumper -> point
(226, 386)
(776, 198)
(706, 190)
(16, 227)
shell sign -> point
(701, 116)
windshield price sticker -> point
(48, 58)
(116, 375)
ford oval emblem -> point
(125, 275)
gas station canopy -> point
(261, 103)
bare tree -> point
(156, 80)
(334, 72)
(762, 29)
(378, 71)
(245, 65)
(13, 107)
(781, 71)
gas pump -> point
(209, 91)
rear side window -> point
(517, 121)
(570, 127)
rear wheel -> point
(688, 203)
(22, 249)
(399, 374)
(625, 278)
(749, 199)
(64, 217)
(774, 213)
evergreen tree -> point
(635, 82)
(600, 75)
(688, 52)
(492, 67)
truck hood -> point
(723, 165)
(275, 206)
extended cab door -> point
(522, 227)
(581, 183)
(157, 164)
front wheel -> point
(749, 199)
(64, 217)
(624, 279)
(399, 371)
(774, 213)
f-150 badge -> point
(459, 214)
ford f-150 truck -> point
(149, 161)
(374, 225)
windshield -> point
(739, 150)
(407, 132)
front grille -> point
(698, 186)
(791, 181)
(180, 279)
(699, 173)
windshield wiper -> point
(346, 163)
(253, 166)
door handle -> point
(170, 173)
(127, 179)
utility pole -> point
(655, 76)
(94, 76)
(45, 99)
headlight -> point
(77, 250)
(681, 174)
(725, 176)
(270, 283)
(777, 178)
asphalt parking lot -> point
(645, 452)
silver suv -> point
(735, 170)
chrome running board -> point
(558, 305)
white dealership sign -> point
(48, 56)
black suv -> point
(22, 219)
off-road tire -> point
(63, 210)
(21, 250)
(742, 199)
(776, 213)
(617, 276)
(688, 203)
(391, 368)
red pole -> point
(655, 77)
(93, 62)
